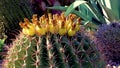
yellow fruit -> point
(56, 29)
(59, 23)
(31, 26)
(21, 24)
(28, 28)
(43, 31)
(40, 31)
(47, 27)
(55, 24)
(26, 21)
(68, 25)
(71, 32)
(28, 31)
(25, 31)
(62, 28)
(77, 27)
(51, 28)
(62, 31)
(78, 24)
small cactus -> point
(48, 46)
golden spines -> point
(78, 23)
(40, 30)
(51, 27)
(55, 24)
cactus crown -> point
(55, 24)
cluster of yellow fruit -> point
(55, 24)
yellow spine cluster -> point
(55, 24)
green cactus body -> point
(50, 50)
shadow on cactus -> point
(52, 41)
(107, 39)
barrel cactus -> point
(108, 41)
(52, 41)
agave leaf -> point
(111, 16)
(91, 14)
(84, 10)
(83, 16)
(91, 25)
(113, 6)
(96, 13)
(96, 6)
(73, 6)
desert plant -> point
(98, 12)
(95, 11)
(108, 42)
(44, 44)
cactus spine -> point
(51, 49)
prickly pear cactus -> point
(52, 41)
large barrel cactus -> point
(52, 41)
